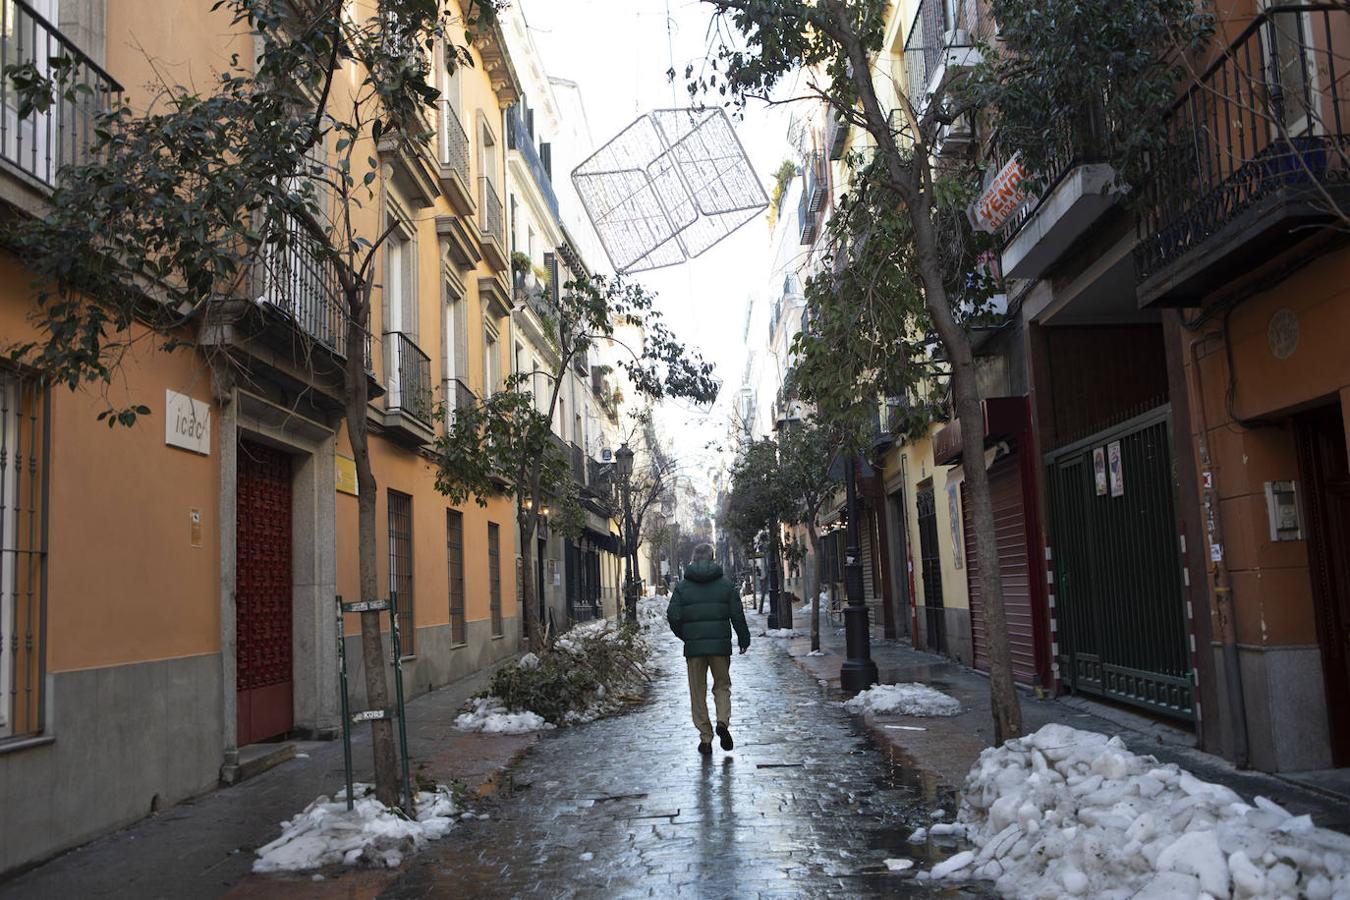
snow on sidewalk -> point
(371, 834)
(1065, 812)
(490, 715)
(908, 699)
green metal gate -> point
(1119, 605)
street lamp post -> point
(858, 672)
(624, 458)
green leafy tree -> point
(504, 444)
(807, 449)
(181, 211)
(760, 498)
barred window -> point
(401, 566)
(24, 423)
(454, 564)
(495, 577)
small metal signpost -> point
(371, 715)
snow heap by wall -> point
(904, 699)
(490, 715)
(370, 834)
(1064, 812)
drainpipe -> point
(1223, 588)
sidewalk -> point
(204, 847)
(948, 747)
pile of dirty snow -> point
(783, 633)
(489, 714)
(909, 699)
(1068, 812)
(652, 613)
(370, 833)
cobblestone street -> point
(805, 805)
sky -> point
(618, 51)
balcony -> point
(529, 289)
(521, 140)
(836, 134)
(1079, 191)
(407, 150)
(1256, 160)
(578, 460)
(938, 49)
(301, 287)
(454, 162)
(817, 181)
(492, 226)
(42, 143)
(408, 401)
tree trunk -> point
(776, 580)
(530, 613)
(970, 414)
(813, 583)
(372, 645)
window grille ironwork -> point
(24, 453)
(495, 577)
(454, 564)
(401, 566)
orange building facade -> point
(167, 591)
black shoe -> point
(725, 734)
(705, 747)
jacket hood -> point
(703, 571)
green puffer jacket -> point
(703, 608)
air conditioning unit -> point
(955, 137)
(956, 37)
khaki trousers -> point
(698, 691)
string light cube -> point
(668, 187)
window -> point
(495, 577)
(23, 555)
(454, 564)
(456, 360)
(401, 566)
(400, 281)
(492, 360)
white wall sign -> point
(187, 423)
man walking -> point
(703, 609)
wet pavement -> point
(805, 806)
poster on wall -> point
(1114, 466)
(1099, 470)
(954, 517)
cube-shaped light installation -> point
(668, 187)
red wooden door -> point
(263, 593)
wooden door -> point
(263, 594)
(1325, 471)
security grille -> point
(454, 564)
(24, 420)
(401, 566)
(495, 578)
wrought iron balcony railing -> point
(491, 223)
(41, 143)
(304, 285)
(1090, 138)
(578, 464)
(408, 377)
(937, 29)
(520, 139)
(1264, 120)
(454, 143)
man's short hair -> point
(703, 553)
